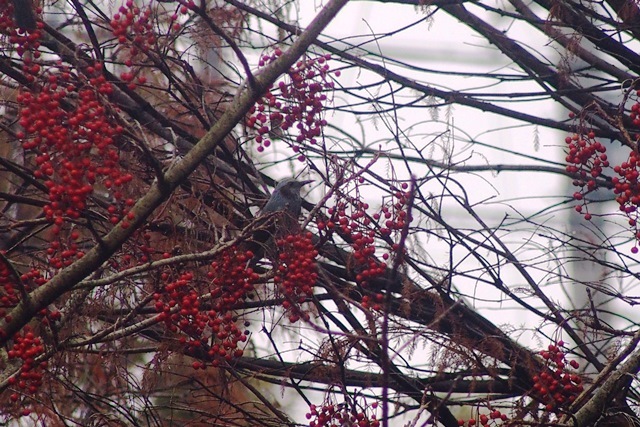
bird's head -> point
(291, 187)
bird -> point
(285, 205)
(286, 197)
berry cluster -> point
(634, 115)
(27, 347)
(22, 40)
(296, 273)
(495, 418)
(585, 158)
(296, 103)
(352, 221)
(395, 213)
(340, 415)
(9, 295)
(68, 126)
(179, 305)
(134, 31)
(7, 24)
(627, 189)
(182, 309)
(556, 386)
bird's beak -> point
(305, 182)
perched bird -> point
(286, 197)
(284, 205)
